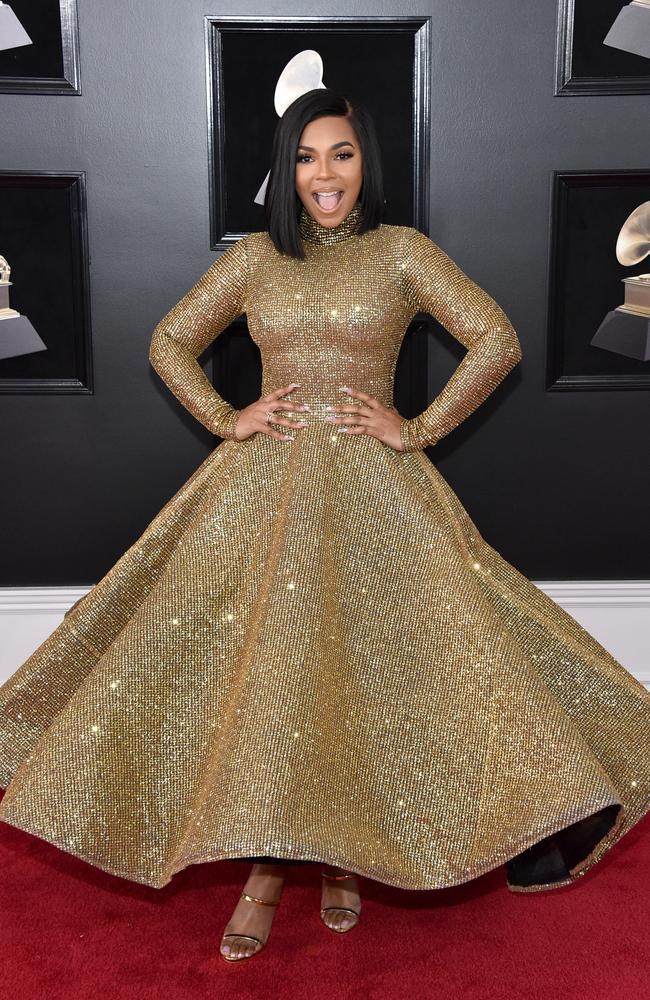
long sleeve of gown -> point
(433, 283)
(181, 336)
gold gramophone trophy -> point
(631, 29)
(626, 330)
(5, 271)
(17, 335)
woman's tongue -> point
(328, 201)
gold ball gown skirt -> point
(311, 653)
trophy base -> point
(624, 333)
(17, 337)
(630, 31)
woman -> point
(311, 653)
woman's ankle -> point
(271, 870)
(337, 872)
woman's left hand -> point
(372, 417)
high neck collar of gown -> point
(311, 229)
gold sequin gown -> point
(311, 652)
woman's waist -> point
(319, 397)
(318, 409)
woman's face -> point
(328, 159)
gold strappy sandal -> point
(249, 937)
(326, 909)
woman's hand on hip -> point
(368, 417)
(255, 417)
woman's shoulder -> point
(402, 234)
(391, 230)
(253, 239)
(394, 238)
(251, 248)
(412, 245)
(257, 241)
(401, 239)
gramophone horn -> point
(633, 243)
(302, 73)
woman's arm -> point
(195, 321)
(433, 283)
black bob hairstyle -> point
(282, 204)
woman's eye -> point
(305, 156)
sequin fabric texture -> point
(311, 652)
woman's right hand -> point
(253, 418)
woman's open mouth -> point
(327, 201)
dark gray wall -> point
(557, 482)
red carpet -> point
(71, 931)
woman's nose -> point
(325, 171)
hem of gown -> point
(596, 854)
(265, 860)
(600, 848)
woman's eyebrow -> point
(335, 146)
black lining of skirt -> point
(553, 858)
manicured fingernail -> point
(288, 437)
(342, 430)
(345, 388)
(294, 384)
(328, 407)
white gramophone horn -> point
(303, 72)
(633, 243)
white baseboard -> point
(27, 616)
(615, 612)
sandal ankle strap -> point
(337, 877)
(262, 902)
